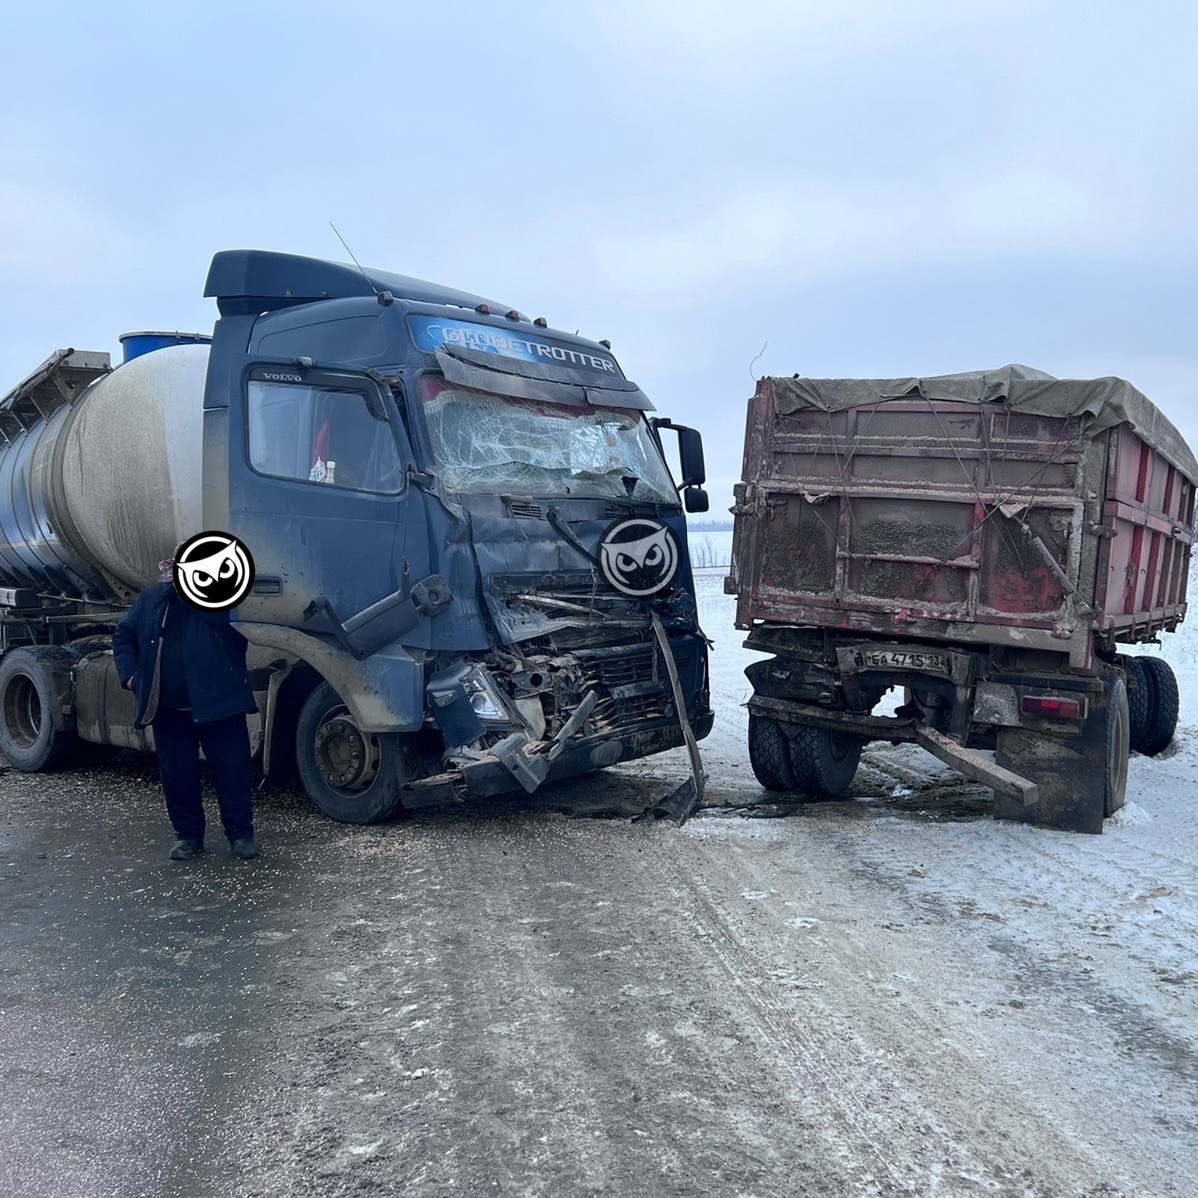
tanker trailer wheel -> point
(1163, 702)
(1139, 701)
(1118, 746)
(824, 762)
(769, 754)
(352, 776)
(35, 683)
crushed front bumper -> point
(488, 775)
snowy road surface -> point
(886, 995)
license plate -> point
(902, 659)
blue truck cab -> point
(464, 531)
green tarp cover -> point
(1106, 401)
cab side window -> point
(325, 436)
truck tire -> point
(1139, 701)
(354, 777)
(769, 754)
(35, 683)
(1164, 701)
(1118, 746)
(824, 762)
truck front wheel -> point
(824, 762)
(351, 775)
(35, 683)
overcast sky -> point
(861, 188)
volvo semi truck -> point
(471, 569)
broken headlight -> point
(485, 700)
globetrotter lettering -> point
(485, 339)
(430, 334)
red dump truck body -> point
(1002, 512)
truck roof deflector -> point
(261, 280)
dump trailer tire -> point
(1118, 746)
(1165, 701)
(35, 681)
(354, 777)
(769, 754)
(1139, 700)
(824, 762)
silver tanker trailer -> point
(100, 475)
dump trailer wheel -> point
(1139, 700)
(1165, 700)
(1118, 746)
(35, 683)
(769, 754)
(353, 776)
(824, 762)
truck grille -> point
(631, 681)
(639, 709)
(620, 665)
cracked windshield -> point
(485, 442)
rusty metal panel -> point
(1148, 516)
(799, 551)
(966, 520)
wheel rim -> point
(346, 758)
(22, 711)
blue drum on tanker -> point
(135, 345)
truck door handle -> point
(268, 584)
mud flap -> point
(1070, 772)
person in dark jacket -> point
(186, 668)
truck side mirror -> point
(695, 499)
(690, 454)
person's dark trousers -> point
(226, 745)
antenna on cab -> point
(358, 264)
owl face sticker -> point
(213, 571)
(639, 557)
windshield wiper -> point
(567, 533)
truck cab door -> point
(319, 492)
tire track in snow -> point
(851, 1088)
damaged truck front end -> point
(472, 571)
(556, 707)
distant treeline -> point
(709, 525)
